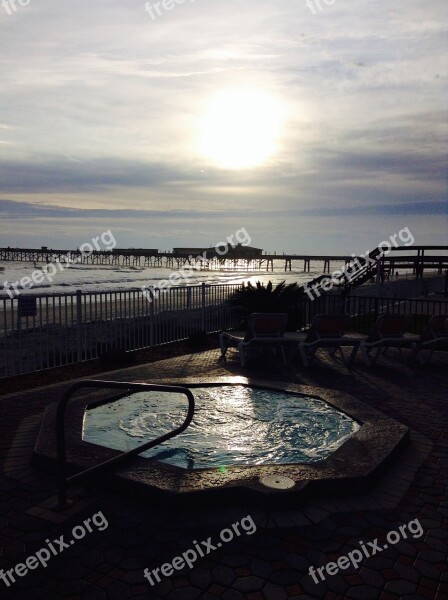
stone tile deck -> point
(270, 564)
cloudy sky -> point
(316, 130)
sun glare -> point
(240, 129)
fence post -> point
(379, 272)
(188, 297)
(151, 316)
(79, 324)
(203, 307)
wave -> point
(97, 278)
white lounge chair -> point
(388, 332)
(264, 330)
(328, 331)
(434, 334)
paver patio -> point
(273, 562)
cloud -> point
(75, 175)
(18, 210)
(101, 104)
(403, 209)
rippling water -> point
(232, 425)
(89, 278)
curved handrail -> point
(63, 481)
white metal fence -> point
(43, 331)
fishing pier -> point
(415, 258)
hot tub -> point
(232, 425)
(250, 441)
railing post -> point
(63, 481)
(203, 319)
(79, 325)
(379, 270)
(151, 316)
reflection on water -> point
(232, 425)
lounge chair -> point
(327, 331)
(264, 330)
(388, 332)
(434, 334)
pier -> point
(240, 257)
(139, 257)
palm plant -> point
(282, 298)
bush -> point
(283, 298)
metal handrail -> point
(64, 481)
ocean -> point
(95, 278)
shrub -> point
(282, 298)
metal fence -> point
(43, 331)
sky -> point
(317, 130)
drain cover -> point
(278, 482)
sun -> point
(240, 129)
